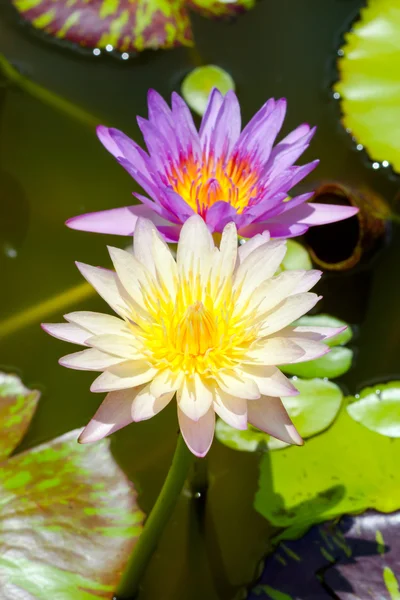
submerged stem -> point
(156, 522)
(44, 95)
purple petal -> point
(215, 100)
(296, 134)
(258, 137)
(282, 207)
(276, 230)
(219, 215)
(226, 130)
(121, 146)
(285, 181)
(316, 214)
(176, 204)
(285, 155)
(186, 132)
(116, 221)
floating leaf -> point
(334, 364)
(378, 408)
(369, 86)
(355, 559)
(17, 407)
(197, 85)
(312, 411)
(296, 257)
(125, 25)
(68, 515)
(346, 470)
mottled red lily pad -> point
(123, 25)
(68, 515)
(355, 559)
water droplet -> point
(336, 95)
(357, 396)
(10, 251)
(385, 163)
(375, 165)
(360, 147)
(96, 51)
(197, 495)
(124, 56)
(109, 48)
(294, 378)
(340, 52)
(377, 392)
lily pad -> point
(348, 469)
(378, 408)
(355, 559)
(68, 516)
(197, 85)
(369, 81)
(312, 411)
(125, 25)
(334, 364)
(296, 257)
(17, 407)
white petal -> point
(248, 247)
(273, 291)
(68, 332)
(269, 380)
(224, 262)
(275, 351)
(198, 435)
(132, 274)
(145, 405)
(195, 247)
(260, 265)
(152, 251)
(232, 410)
(312, 333)
(114, 413)
(98, 323)
(105, 282)
(289, 310)
(124, 375)
(307, 342)
(269, 415)
(238, 385)
(194, 397)
(166, 381)
(119, 345)
(89, 360)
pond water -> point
(52, 168)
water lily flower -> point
(218, 172)
(210, 327)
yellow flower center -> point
(201, 184)
(196, 330)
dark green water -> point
(56, 169)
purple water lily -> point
(220, 172)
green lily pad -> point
(68, 516)
(346, 470)
(17, 407)
(296, 257)
(125, 26)
(197, 85)
(378, 408)
(334, 364)
(312, 411)
(369, 81)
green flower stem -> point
(44, 95)
(157, 520)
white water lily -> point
(210, 327)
